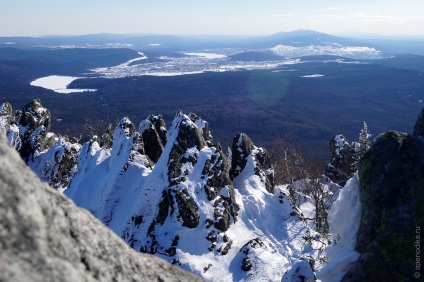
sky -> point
(234, 17)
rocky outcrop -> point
(9, 127)
(242, 149)
(188, 138)
(301, 271)
(192, 162)
(342, 163)
(35, 124)
(248, 252)
(58, 165)
(180, 204)
(391, 178)
(204, 127)
(45, 237)
(153, 131)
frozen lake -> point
(58, 84)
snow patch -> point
(344, 219)
(207, 55)
(312, 75)
(329, 49)
(58, 84)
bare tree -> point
(321, 192)
(287, 159)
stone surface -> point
(9, 127)
(45, 237)
(153, 132)
(35, 124)
(243, 148)
(391, 177)
(341, 166)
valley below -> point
(303, 87)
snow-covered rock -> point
(342, 154)
(9, 127)
(243, 152)
(153, 131)
(45, 237)
(34, 124)
(174, 194)
(58, 164)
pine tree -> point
(364, 140)
(359, 148)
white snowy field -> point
(313, 75)
(207, 55)
(58, 84)
(335, 49)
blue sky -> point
(47, 17)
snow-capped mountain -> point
(173, 192)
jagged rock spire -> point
(153, 132)
(243, 149)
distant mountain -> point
(299, 38)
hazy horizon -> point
(207, 17)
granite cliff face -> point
(391, 178)
(45, 237)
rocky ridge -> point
(162, 189)
(45, 237)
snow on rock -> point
(204, 127)
(301, 271)
(34, 124)
(187, 205)
(9, 127)
(187, 210)
(153, 131)
(243, 151)
(342, 155)
(57, 165)
(344, 219)
(104, 175)
(45, 237)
